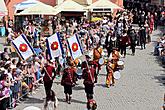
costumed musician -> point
(97, 54)
(110, 78)
(115, 56)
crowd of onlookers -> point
(160, 49)
(19, 78)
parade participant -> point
(83, 65)
(142, 35)
(151, 24)
(124, 43)
(115, 55)
(97, 54)
(147, 29)
(88, 76)
(109, 78)
(111, 41)
(49, 76)
(133, 38)
(68, 80)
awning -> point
(71, 6)
(26, 4)
(39, 9)
(103, 5)
(3, 9)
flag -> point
(23, 47)
(75, 47)
(54, 46)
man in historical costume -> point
(68, 80)
(109, 78)
(49, 76)
(124, 42)
(133, 38)
(89, 76)
(97, 54)
(142, 35)
(111, 42)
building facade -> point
(11, 4)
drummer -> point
(115, 56)
(97, 54)
(110, 78)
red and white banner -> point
(54, 46)
(75, 47)
(23, 47)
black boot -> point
(69, 101)
(67, 97)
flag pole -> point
(90, 73)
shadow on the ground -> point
(58, 83)
(161, 78)
(33, 100)
(101, 74)
(101, 85)
(72, 101)
(77, 87)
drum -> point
(101, 61)
(117, 75)
(120, 64)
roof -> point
(70, 5)
(38, 10)
(81, 2)
(104, 4)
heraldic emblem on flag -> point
(23, 47)
(54, 46)
(75, 47)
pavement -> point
(141, 86)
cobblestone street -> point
(139, 88)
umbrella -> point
(39, 9)
(96, 19)
(31, 108)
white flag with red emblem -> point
(54, 46)
(23, 47)
(75, 47)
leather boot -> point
(67, 97)
(69, 101)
